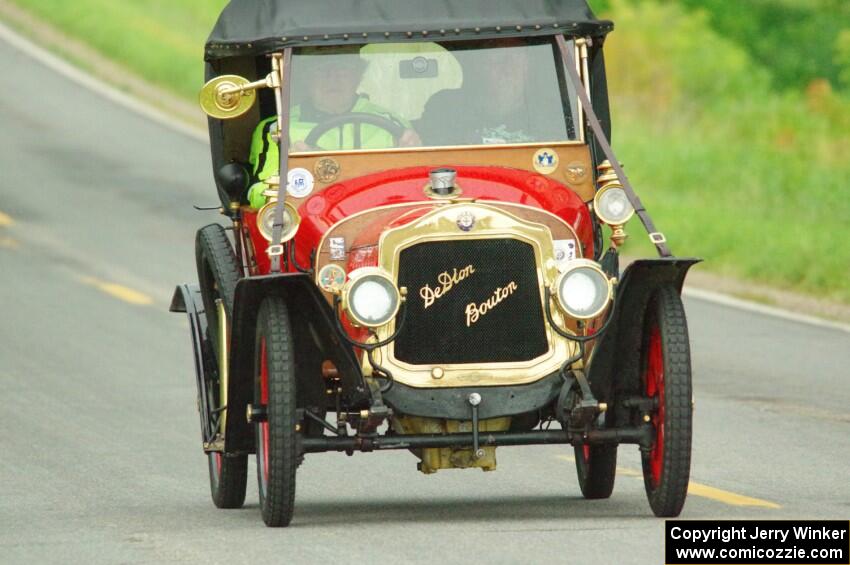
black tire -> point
(666, 374)
(218, 273)
(274, 370)
(596, 466)
(228, 479)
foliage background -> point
(732, 118)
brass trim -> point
(338, 223)
(534, 209)
(578, 264)
(600, 214)
(354, 277)
(223, 362)
(579, 105)
(491, 222)
(454, 195)
(285, 235)
(222, 98)
(494, 146)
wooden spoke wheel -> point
(218, 273)
(277, 456)
(666, 364)
(596, 466)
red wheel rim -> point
(264, 400)
(654, 382)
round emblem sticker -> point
(575, 172)
(299, 182)
(546, 161)
(327, 170)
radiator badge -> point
(446, 281)
(466, 220)
(475, 311)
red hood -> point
(324, 209)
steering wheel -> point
(357, 119)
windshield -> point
(381, 96)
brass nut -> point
(437, 373)
(646, 418)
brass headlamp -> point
(370, 298)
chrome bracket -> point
(474, 400)
(275, 250)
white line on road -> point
(76, 75)
(732, 302)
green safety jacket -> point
(265, 157)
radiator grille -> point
(471, 301)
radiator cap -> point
(443, 181)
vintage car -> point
(431, 273)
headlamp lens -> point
(583, 292)
(613, 206)
(373, 300)
(265, 221)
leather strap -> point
(656, 237)
(282, 96)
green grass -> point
(734, 125)
(750, 178)
(161, 40)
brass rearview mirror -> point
(230, 96)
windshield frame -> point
(579, 46)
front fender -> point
(187, 298)
(614, 367)
(315, 339)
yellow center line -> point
(6, 221)
(726, 497)
(701, 490)
(120, 292)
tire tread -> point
(668, 498)
(273, 321)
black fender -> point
(614, 367)
(315, 338)
(187, 298)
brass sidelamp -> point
(611, 204)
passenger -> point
(511, 105)
(330, 77)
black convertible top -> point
(254, 27)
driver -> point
(330, 76)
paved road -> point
(100, 459)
